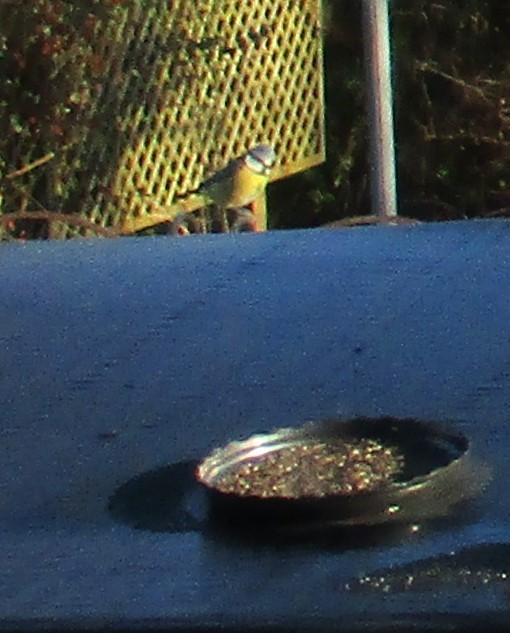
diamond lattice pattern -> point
(191, 84)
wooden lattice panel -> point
(191, 84)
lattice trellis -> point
(187, 86)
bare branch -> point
(30, 166)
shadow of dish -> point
(162, 500)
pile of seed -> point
(315, 469)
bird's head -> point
(260, 159)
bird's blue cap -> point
(264, 154)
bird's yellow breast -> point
(242, 188)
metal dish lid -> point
(368, 471)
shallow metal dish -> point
(438, 473)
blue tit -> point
(242, 181)
(237, 185)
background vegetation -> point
(452, 82)
(452, 91)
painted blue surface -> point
(119, 357)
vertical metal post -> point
(376, 36)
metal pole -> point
(376, 36)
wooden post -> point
(260, 211)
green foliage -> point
(49, 71)
(452, 78)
